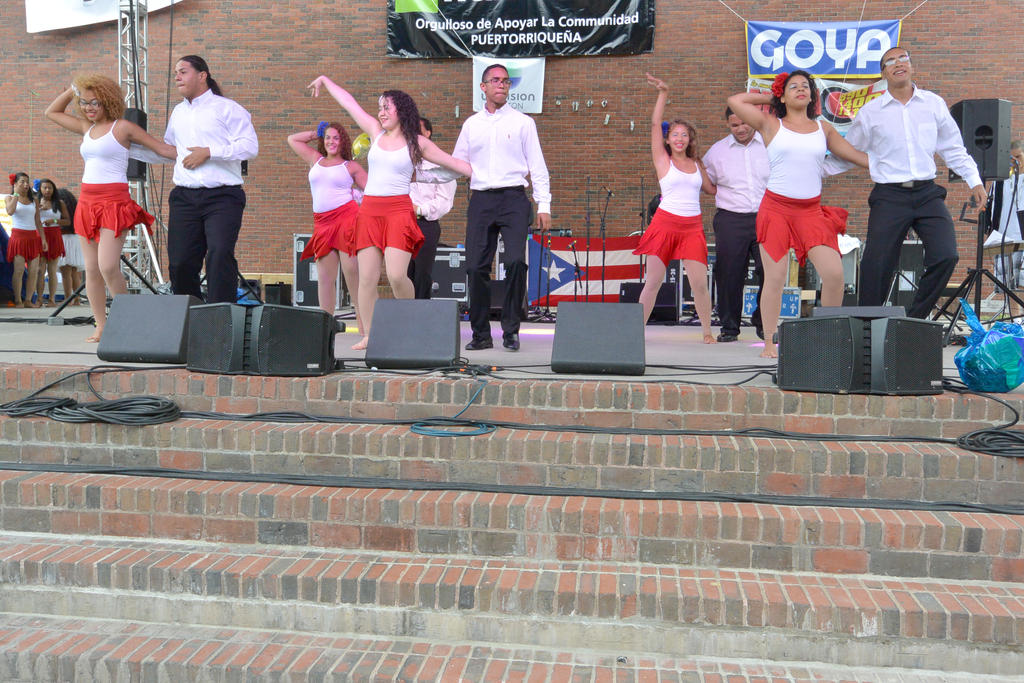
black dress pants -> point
(735, 245)
(894, 211)
(492, 212)
(204, 223)
(421, 267)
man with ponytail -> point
(213, 136)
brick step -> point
(740, 465)
(36, 647)
(944, 545)
(608, 403)
(671, 611)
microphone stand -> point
(604, 246)
(586, 294)
(576, 270)
(545, 262)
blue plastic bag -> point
(993, 360)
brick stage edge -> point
(117, 577)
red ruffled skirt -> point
(334, 229)
(110, 206)
(24, 243)
(388, 222)
(671, 237)
(798, 223)
(54, 242)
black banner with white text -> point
(519, 28)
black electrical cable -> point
(998, 441)
(339, 481)
(76, 320)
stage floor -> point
(673, 352)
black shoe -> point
(511, 342)
(479, 345)
(723, 337)
(760, 332)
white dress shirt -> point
(432, 200)
(901, 140)
(216, 122)
(503, 148)
(739, 171)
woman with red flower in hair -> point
(791, 214)
(105, 209)
(28, 240)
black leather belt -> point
(909, 185)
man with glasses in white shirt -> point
(502, 146)
(901, 131)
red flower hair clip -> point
(778, 84)
(12, 177)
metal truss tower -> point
(133, 77)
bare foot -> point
(709, 338)
(361, 344)
(93, 338)
(32, 304)
(19, 304)
(769, 351)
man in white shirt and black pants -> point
(502, 146)
(738, 165)
(213, 135)
(901, 131)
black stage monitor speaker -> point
(861, 355)
(867, 312)
(823, 354)
(906, 356)
(985, 126)
(292, 341)
(261, 340)
(136, 168)
(666, 304)
(413, 333)
(599, 339)
(145, 328)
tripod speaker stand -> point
(985, 125)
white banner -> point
(527, 90)
(50, 15)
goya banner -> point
(847, 49)
(519, 28)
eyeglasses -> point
(89, 103)
(499, 81)
(902, 59)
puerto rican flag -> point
(553, 265)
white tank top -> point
(389, 172)
(24, 217)
(48, 215)
(106, 160)
(680, 191)
(796, 162)
(331, 186)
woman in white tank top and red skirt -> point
(677, 229)
(332, 175)
(386, 230)
(791, 214)
(105, 208)
(28, 240)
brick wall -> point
(263, 54)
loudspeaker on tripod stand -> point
(985, 126)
